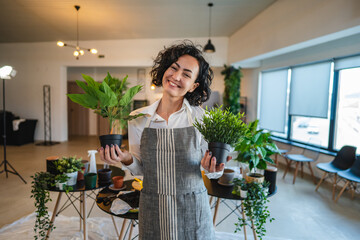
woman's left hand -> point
(209, 163)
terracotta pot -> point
(118, 181)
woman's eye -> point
(173, 67)
(187, 75)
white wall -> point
(45, 63)
(287, 23)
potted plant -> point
(232, 81)
(109, 100)
(69, 166)
(255, 208)
(39, 191)
(221, 129)
(240, 187)
(60, 181)
(255, 148)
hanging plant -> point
(232, 80)
(41, 182)
(255, 208)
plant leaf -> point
(129, 94)
(84, 100)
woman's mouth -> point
(173, 84)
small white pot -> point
(72, 178)
(243, 193)
(61, 185)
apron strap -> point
(147, 124)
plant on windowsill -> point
(110, 99)
(221, 129)
(255, 149)
(69, 166)
(254, 206)
(42, 181)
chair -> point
(281, 153)
(24, 134)
(352, 176)
(344, 160)
(300, 159)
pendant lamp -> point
(79, 51)
(209, 47)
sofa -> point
(23, 132)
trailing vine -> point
(255, 207)
(41, 182)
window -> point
(347, 131)
(322, 107)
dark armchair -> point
(24, 134)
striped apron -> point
(174, 203)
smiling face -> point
(180, 77)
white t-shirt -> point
(178, 119)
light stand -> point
(7, 72)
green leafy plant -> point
(39, 191)
(61, 178)
(110, 99)
(232, 81)
(255, 208)
(241, 183)
(69, 164)
(256, 147)
(221, 126)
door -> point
(78, 116)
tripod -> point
(6, 162)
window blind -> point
(273, 94)
(309, 90)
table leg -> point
(122, 229)
(81, 212)
(243, 215)
(83, 196)
(210, 201)
(54, 213)
(302, 169)
(253, 228)
(116, 230)
(131, 229)
(216, 208)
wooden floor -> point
(299, 211)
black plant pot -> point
(104, 176)
(220, 151)
(115, 139)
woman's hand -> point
(209, 163)
(109, 156)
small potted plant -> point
(241, 187)
(255, 148)
(69, 166)
(255, 208)
(109, 99)
(42, 181)
(221, 129)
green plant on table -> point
(256, 147)
(255, 208)
(222, 126)
(39, 191)
(69, 164)
(241, 183)
(110, 99)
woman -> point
(166, 149)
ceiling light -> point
(79, 50)
(209, 47)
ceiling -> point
(52, 20)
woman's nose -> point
(176, 75)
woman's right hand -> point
(109, 156)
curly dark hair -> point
(170, 55)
